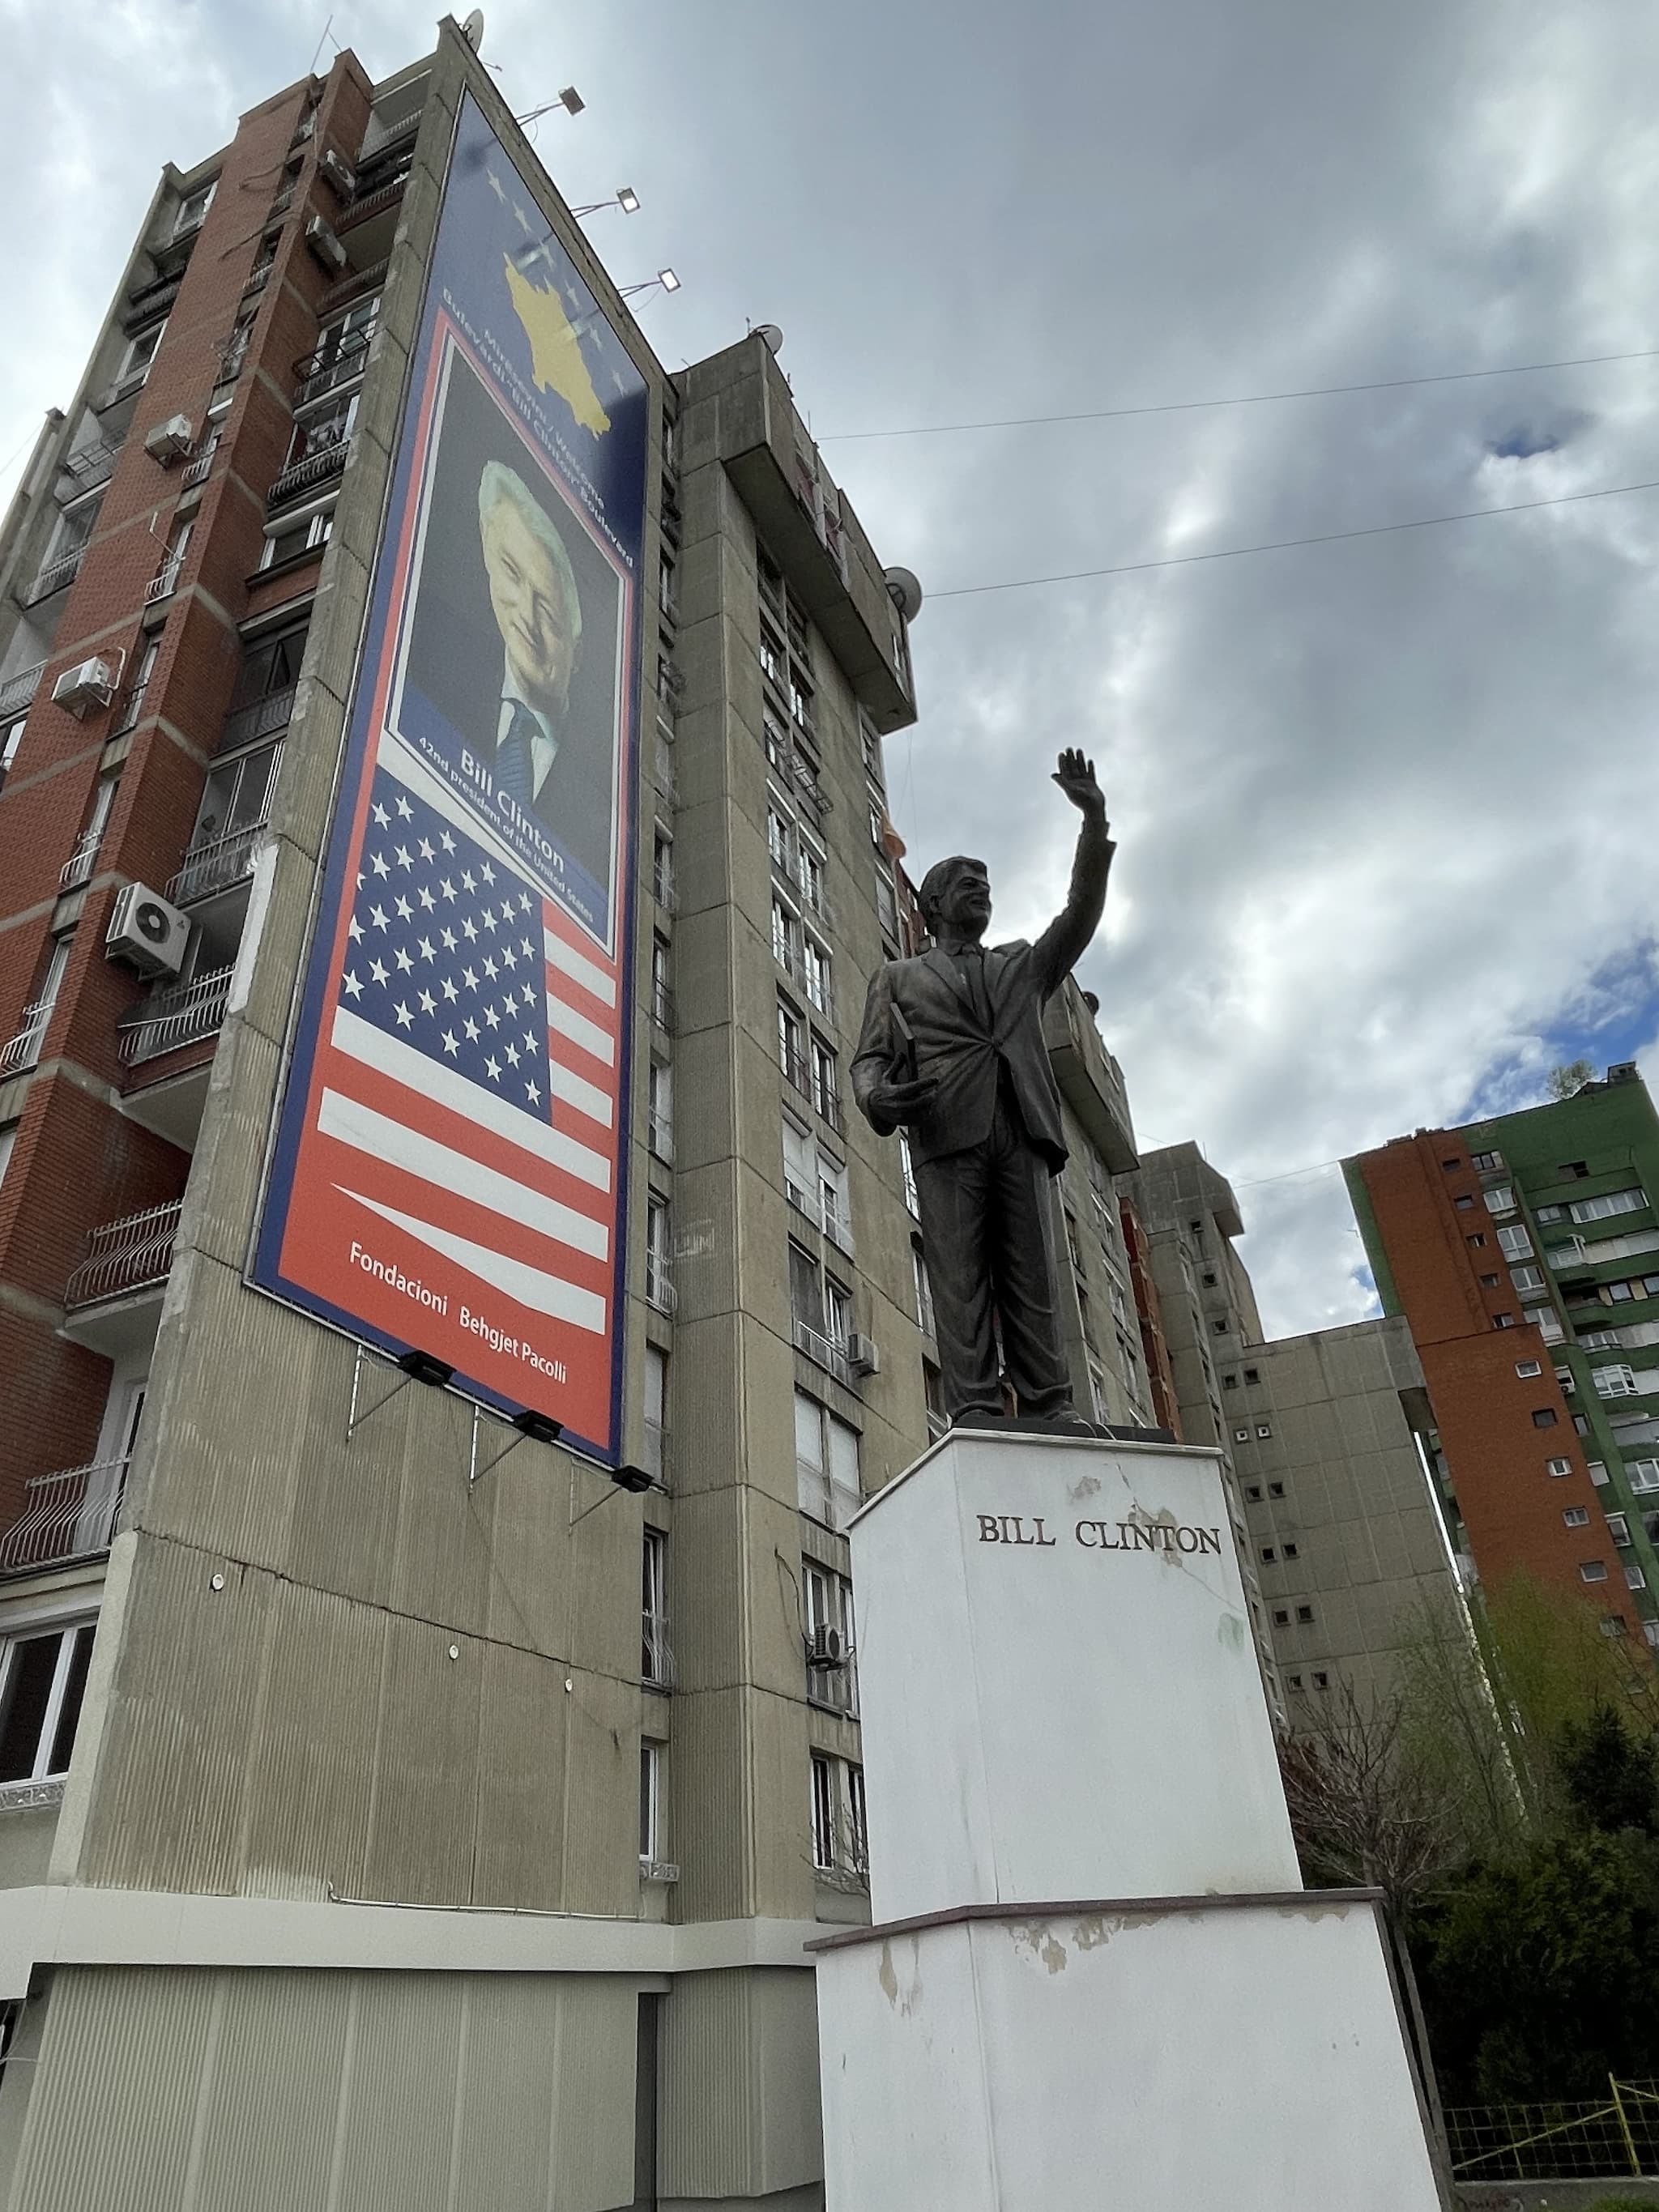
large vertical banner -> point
(449, 1166)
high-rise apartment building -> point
(1515, 1248)
(1326, 1439)
(447, 1313)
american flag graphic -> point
(464, 1111)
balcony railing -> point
(216, 863)
(828, 1103)
(660, 1289)
(78, 867)
(68, 1514)
(273, 712)
(177, 1017)
(356, 281)
(382, 134)
(656, 1658)
(198, 469)
(23, 1049)
(822, 1211)
(662, 889)
(796, 1073)
(165, 581)
(16, 691)
(365, 204)
(55, 574)
(662, 1008)
(328, 368)
(87, 466)
(316, 468)
(656, 1453)
(822, 1349)
(133, 1254)
(147, 300)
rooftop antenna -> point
(321, 42)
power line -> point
(1284, 544)
(1242, 399)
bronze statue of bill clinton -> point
(952, 1049)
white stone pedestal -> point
(1095, 1980)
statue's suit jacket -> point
(951, 1044)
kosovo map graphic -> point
(555, 352)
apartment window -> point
(341, 346)
(1241, 1436)
(132, 706)
(304, 534)
(1634, 1577)
(1577, 1170)
(791, 1046)
(235, 800)
(826, 1082)
(1576, 1517)
(320, 432)
(192, 207)
(1451, 1166)
(665, 587)
(1275, 1490)
(1304, 1613)
(655, 1665)
(1641, 1474)
(1490, 1282)
(651, 1804)
(43, 1679)
(661, 1122)
(271, 664)
(1598, 1472)
(1543, 1417)
(1219, 1325)
(662, 995)
(1502, 1320)
(1615, 1381)
(1476, 1241)
(1546, 1321)
(1485, 1162)
(1281, 1616)
(815, 973)
(1269, 1554)
(1610, 1202)
(1619, 1527)
(1230, 1381)
(141, 351)
(907, 1170)
(815, 1183)
(823, 1811)
(933, 1394)
(1514, 1243)
(656, 1414)
(1291, 1551)
(1264, 1428)
(828, 1605)
(1529, 1281)
(821, 1312)
(659, 1266)
(923, 1291)
(1526, 1369)
(8, 1140)
(827, 1485)
(1559, 1466)
(1618, 1294)
(1552, 1212)
(1463, 1203)
(773, 660)
(11, 736)
(1253, 1491)
(662, 868)
(1593, 1571)
(1252, 1374)
(1500, 1199)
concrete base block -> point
(1159, 2055)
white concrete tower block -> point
(1059, 1688)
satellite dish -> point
(904, 590)
(770, 336)
(472, 29)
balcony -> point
(656, 1658)
(329, 367)
(365, 205)
(56, 575)
(23, 1049)
(77, 869)
(165, 581)
(318, 467)
(122, 388)
(823, 1350)
(146, 301)
(69, 1515)
(89, 466)
(215, 863)
(200, 468)
(180, 1015)
(352, 285)
(125, 1257)
(833, 1217)
(16, 692)
(274, 712)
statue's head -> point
(955, 897)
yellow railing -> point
(1558, 2141)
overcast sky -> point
(1387, 807)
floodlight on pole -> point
(627, 199)
(664, 281)
(570, 99)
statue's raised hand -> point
(1076, 778)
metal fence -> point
(133, 1254)
(67, 1515)
(1588, 2141)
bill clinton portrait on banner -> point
(510, 682)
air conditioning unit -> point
(170, 441)
(324, 245)
(147, 933)
(88, 684)
(862, 1355)
(333, 167)
(826, 1646)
